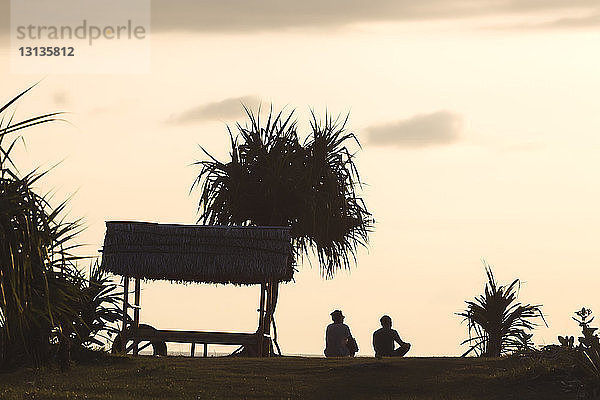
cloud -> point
(589, 21)
(220, 110)
(267, 15)
(422, 130)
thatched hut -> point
(201, 254)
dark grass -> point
(290, 378)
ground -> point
(289, 378)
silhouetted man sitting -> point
(337, 337)
(384, 338)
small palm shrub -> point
(100, 310)
(498, 324)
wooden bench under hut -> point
(201, 254)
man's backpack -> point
(352, 346)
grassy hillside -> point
(290, 378)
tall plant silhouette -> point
(274, 179)
(497, 322)
(37, 293)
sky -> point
(478, 122)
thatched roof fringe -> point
(196, 253)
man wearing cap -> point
(384, 339)
(337, 336)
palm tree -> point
(498, 324)
(274, 179)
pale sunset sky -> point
(480, 130)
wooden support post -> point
(125, 311)
(205, 349)
(261, 322)
(268, 316)
(274, 298)
(193, 350)
(136, 315)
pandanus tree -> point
(273, 178)
(44, 299)
(498, 324)
(47, 305)
(35, 300)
